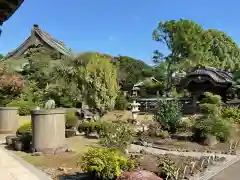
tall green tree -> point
(131, 70)
(95, 80)
(190, 45)
(101, 85)
(173, 34)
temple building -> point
(7, 8)
(38, 38)
(206, 79)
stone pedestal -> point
(8, 120)
(48, 126)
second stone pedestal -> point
(8, 120)
(48, 127)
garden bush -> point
(167, 167)
(104, 163)
(168, 114)
(25, 128)
(231, 113)
(153, 128)
(26, 140)
(121, 102)
(212, 122)
(90, 127)
(186, 124)
(162, 134)
(117, 135)
(71, 119)
(24, 107)
(211, 126)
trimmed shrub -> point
(117, 135)
(167, 167)
(212, 122)
(25, 128)
(90, 127)
(71, 119)
(24, 107)
(104, 163)
(168, 114)
(231, 113)
(215, 126)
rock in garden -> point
(37, 154)
(210, 140)
(138, 175)
(63, 169)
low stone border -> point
(230, 151)
(205, 175)
(138, 148)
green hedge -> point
(71, 119)
(24, 107)
(89, 127)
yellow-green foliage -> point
(168, 168)
(212, 122)
(231, 113)
(24, 107)
(210, 104)
(25, 128)
(162, 134)
(71, 119)
(105, 163)
(101, 82)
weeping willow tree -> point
(94, 79)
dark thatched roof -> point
(202, 74)
(39, 37)
(7, 8)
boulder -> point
(210, 140)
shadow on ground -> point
(75, 176)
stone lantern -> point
(135, 110)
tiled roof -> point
(7, 8)
(46, 38)
(218, 76)
(55, 44)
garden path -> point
(14, 168)
(232, 172)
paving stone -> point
(12, 169)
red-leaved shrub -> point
(11, 84)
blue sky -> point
(115, 26)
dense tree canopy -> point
(95, 78)
(131, 71)
(190, 45)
